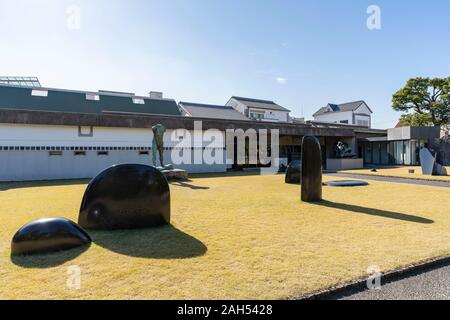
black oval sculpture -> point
(127, 196)
(48, 235)
(293, 172)
(346, 183)
(311, 170)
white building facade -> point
(54, 134)
(353, 113)
(260, 110)
(50, 152)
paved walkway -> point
(430, 284)
(390, 179)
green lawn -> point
(240, 237)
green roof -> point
(20, 98)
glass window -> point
(384, 153)
(415, 149)
(39, 93)
(138, 101)
(407, 152)
(368, 153)
(376, 153)
(257, 115)
(398, 145)
(92, 97)
(363, 123)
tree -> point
(415, 120)
(426, 101)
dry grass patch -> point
(243, 237)
(401, 172)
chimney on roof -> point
(156, 95)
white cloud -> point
(281, 80)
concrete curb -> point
(396, 177)
(390, 276)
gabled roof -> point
(211, 111)
(349, 106)
(20, 98)
(260, 104)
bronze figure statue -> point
(158, 144)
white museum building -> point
(48, 134)
(356, 113)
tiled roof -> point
(350, 106)
(211, 111)
(260, 104)
(21, 98)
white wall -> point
(269, 115)
(363, 113)
(364, 109)
(363, 120)
(335, 117)
(237, 105)
(23, 165)
(272, 115)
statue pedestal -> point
(175, 175)
(344, 164)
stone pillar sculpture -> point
(126, 196)
(158, 144)
(311, 189)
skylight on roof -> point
(138, 101)
(39, 93)
(21, 81)
(92, 97)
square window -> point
(85, 131)
(92, 97)
(39, 93)
(138, 101)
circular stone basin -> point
(346, 183)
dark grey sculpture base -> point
(166, 167)
(311, 190)
(127, 196)
(176, 175)
(346, 183)
(48, 235)
(293, 172)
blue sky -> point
(302, 54)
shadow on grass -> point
(225, 174)
(164, 242)
(4, 186)
(49, 260)
(186, 184)
(374, 212)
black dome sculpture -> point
(311, 170)
(293, 172)
(346, 183)
(127, 196)
(48, 235)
